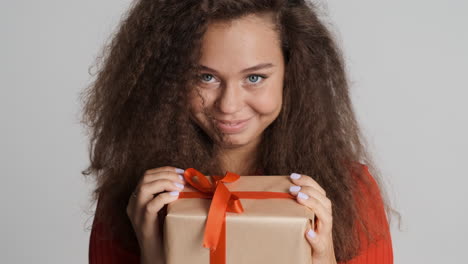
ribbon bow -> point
(222, 201)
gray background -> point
(407, 61)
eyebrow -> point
(253, 68)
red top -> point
(102, 251)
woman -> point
(251, 87)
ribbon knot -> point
(222, 201)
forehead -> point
(241, 43)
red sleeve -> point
(381, 251)
(103, 250)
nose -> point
(230, 99)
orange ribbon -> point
(223, 201)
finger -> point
(311, 191)
(149, 186)
(165, 168)
(153, 207)
(168, 175)
(324, 218)
(146, 191)
(305, 180)
(315, 241)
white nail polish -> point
(295, 176)
(179, 170)
(181, 186)
(182, 178)
(311, 233)
(303, 195)
(174, 193)
(294, 188)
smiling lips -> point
(233, 122)
(231, 127)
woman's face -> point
(240, 84)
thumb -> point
(313, 239)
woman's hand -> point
(156, 188)
(309, 193)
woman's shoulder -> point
(371, 206)
(368, 197)
(366, 183)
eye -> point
(206, 77)
(255, 78)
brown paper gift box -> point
(268, 231)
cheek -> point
(269, 102)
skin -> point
(226, 92)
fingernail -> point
(303, 195)
(181, 186)
(311, 233)
(295, 176)
(294, 188)
(174, 193)
(179, 170)
(181, 178)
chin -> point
(230, 142)
(236, 140)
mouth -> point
(231, 126)
(231, 122)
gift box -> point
(236, 220)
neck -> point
(241, 160)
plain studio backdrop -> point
(407, 62)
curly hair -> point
(137, 116)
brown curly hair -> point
(137, 116)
